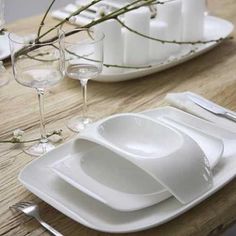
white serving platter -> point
(215, 28)
(43, 182)
(4, 46)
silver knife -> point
(212, 107)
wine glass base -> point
(39, 149)
(4, 81)
(78, 123)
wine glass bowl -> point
(83, 49)
(38, 63)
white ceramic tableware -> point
(146, 143)
(102, 174)
(228, 137)
(38, 178)
(107, 177)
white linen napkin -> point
(183, 102)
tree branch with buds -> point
(17, 137)
(115, 14)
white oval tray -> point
(215, 28)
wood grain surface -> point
(212, 75)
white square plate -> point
(43, 182)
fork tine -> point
(23, 204)
(14, 208)
(20, 205)
(26, 203)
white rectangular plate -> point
(40, 180)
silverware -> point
(212, 107)
(32, 210)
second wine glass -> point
(83, 49)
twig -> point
(113, 15)
(168, 41)
(44, 17)
(109, 65)
(72, 14)
(13, 140)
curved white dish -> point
(104, 176)
(210, 143)
(215, 28)
(196, 123)
(146, 143)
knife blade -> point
(212, 107)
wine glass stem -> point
(84, 92)
(40, 93)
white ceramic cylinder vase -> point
(113, 44)
(193, 19)
(158, 51)
(171, 13)
(137, 47)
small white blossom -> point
(55, 138)
(18, 133)
(29, 38)
(73, 20)
(172, 58)
(102, 11)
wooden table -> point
(212, 75)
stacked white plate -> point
(130, 172)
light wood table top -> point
(212, 75)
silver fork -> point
(32, 210)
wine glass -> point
(38, 64)
(83, 49)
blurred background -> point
(28, 8)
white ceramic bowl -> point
(169, 156)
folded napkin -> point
(183, 102)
